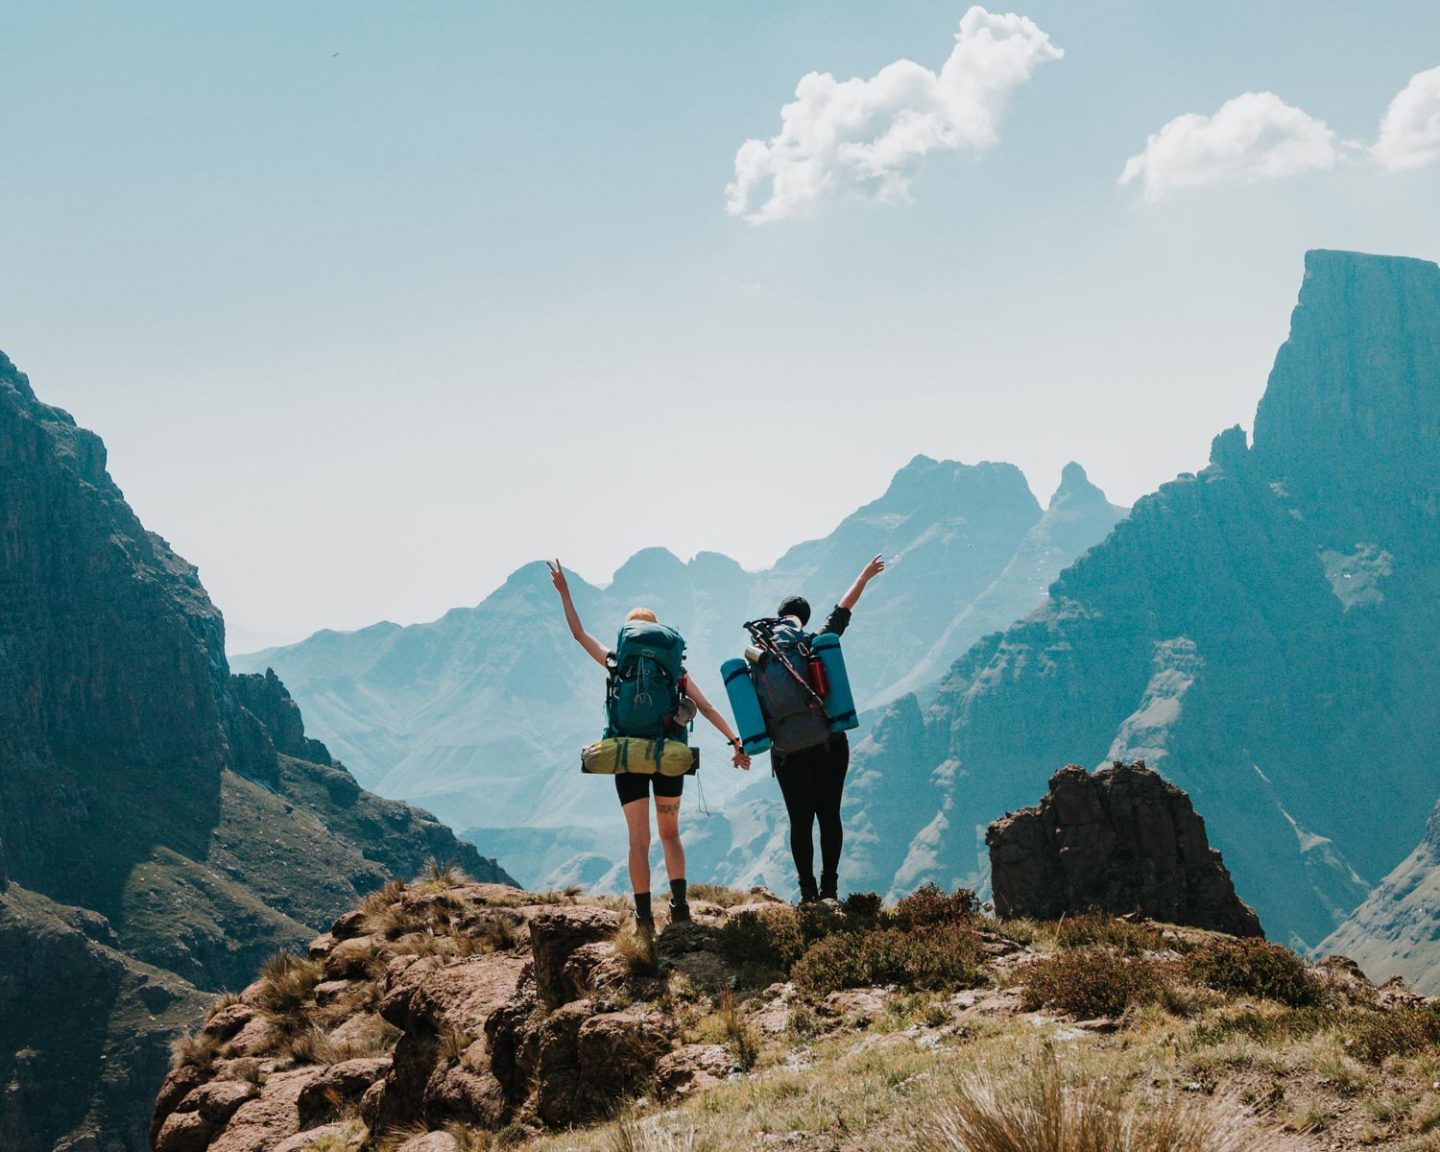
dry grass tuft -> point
(220, 1003)
(383, 897)
(717, 894)
(439, 875)
(195, 1051)
(636, 953)
(286, 982)
(655, 1136)
(1042, 1113)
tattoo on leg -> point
(667, 808)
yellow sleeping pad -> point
(620, 755)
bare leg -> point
(667, 821)
(637, 820)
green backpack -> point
(644, 687)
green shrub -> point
(1091, 982)
(770, 937)
(1398, 1032)
(1254, 968)
(936, 958)
(863, 911)
(1096, 929)
(929, 906)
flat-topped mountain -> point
(480, 715)
(1263, 631)
(164, 825)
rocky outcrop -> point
(1123, 841)
(166, 826)
(444, 1021)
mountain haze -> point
(480, 715)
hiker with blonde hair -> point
(662, 706)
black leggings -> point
(812, 782)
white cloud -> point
(1410, 132)
(867, 137)
(1255, 136)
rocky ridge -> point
(164, 825)
(449, 1015)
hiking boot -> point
(680, 912)
(829, 888)
(808, 892)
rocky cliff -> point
(165, 826)
(1262, 631)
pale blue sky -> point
(372, 302)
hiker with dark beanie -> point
(634, 788)
(813, 779)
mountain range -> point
(1262, 631)
(480, 715)
(165, 825)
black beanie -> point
(796, 606)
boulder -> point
(335, 1137)
(274, 1115)
(431, 1142)
(1122, 840)
(178, 1085)
(351, 959)
(618, 1052)
(691, 1069)
(338, 1084)
(555, 934)
(228, 1021)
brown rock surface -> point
(1121, 841)
(555, 934)
(692, 1069)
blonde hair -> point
(642, 614)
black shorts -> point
(636, 786)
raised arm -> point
(868, 573)
(591, 645)
(709, 711)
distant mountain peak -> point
(1076, 489)
(1355, 392)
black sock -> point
(677, 891)
(642, 906)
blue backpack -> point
(643, 691)
(795, 716)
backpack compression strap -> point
(763, 633)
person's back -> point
(812, 771)
(649, 696)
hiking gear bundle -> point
(795, 694)
(621, 755)
(642, 694)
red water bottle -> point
(818, 680)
